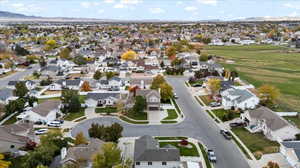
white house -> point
(239, 99)
(97, 99)
(272, 125)
(148, 154)
(44, 112)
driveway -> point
(197, 124)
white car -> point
(41, 131)
(54, 124)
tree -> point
(126, 164)
(166, 91)
(41, 166)
(97, 75)
(139, 105)
(110, 133)
(36, 74)
(109, 156)
(109, 75)
(80, 139)
(3, 163)
(203, 57)
(157, 81)
(49, 45)
(268, 94)
(74, 105)
(15, 105)
(21, 51)
(80, 60)
(31, 100)
(272, 165)
(65, 53)
(42, 62)
(214, 85)
(67, 94)
(115, 132)
(129, 55)
(21, 89)
(86, 86)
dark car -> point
(226, 134)
(197, 85)
(238, 124)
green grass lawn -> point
(139, 116)
(223, 114)
(206, 99)
(256, 142)
(73, 116)
(294, 120)
(265, 64)
(172, 115)
(184, 151)
(106, 110)
(82, 99)
(170, 138)
(43, 100)
(196, 82)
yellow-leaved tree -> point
(214, 85)
(3, 163)
(129, 55)
(268, 93)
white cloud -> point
(100, 11)
(109, 1)
(178, 3)
(89, 4)
(30, 8)
(127, 4)
(120, 6)
(134, 2)
(208, 2)
(190, 8)
(292, 6)
(157, 10)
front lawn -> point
(82, 99)
(176, 106)
(43, 100)
(257, 143)
(131, 121)
(138, 116)
(172, 115)
(206, 99)
(170, 138)
(184, 151)
(107, 110)
(73, 116)
(294, 120)
(226, 115)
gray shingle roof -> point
(44, 108)
(98, 96)
(293, 144)
(241, 94)
(147, 148)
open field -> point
(265, 64)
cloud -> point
(89, 4)
(294, 14)
(208, 2)
(127, 4)
(100, 11)
(178, 3)
(30, 8)
(292, 6)
(157, 10)
(190, 8)
(109, 1)
(119, 6)
(133, 2)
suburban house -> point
(68, 84)
(152, 98)
(82, 154)
(44, 112)
(291, 151)
(148, 154)
(239, 98)
(96, 99)
(272, 125)
(142, 83)
(6, 94)
(15, 136)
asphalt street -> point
(197, 124)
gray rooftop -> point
(98, 96)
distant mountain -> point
(260, 19)
(4, 14)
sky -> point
(154, 9)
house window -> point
(164, 163)
(149, 163)
(137, 163)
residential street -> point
(18, 75)
(197, 124)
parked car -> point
(211, 155)
(41, 131)
(175, 96)
(238, 124)
(39, 123)
(214, 104)
(197, 85)
(61, 121)
(226, 134)
(54, 124)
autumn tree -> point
(214, 85)
(65, 53)
(80, 139)
(109, 156)
(268, 94)
(166, 91)
(157, 81)
(171, 52)
(86, 86)
(272, 165)
(97, 75)
(129, 55)
(49, 45)
(203, 57)
(3, 163)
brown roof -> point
(14, 132)
(44, 108)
